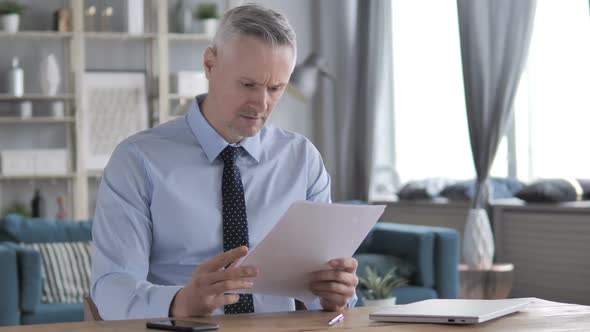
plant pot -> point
(9, 23)
(209, 26)
(380, 303)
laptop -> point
(450, 311)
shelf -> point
(179, 97)
(35, 96)
(37, 177)
(94, 174)
(36, 35)
(190, 37)
(119, 36)
(40, 119)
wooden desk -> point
(539, 316)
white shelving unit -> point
(157, 41)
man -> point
(178, 203)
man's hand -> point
(205, 292)
(337, 286)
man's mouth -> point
(249, 117)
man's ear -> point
(209, 60)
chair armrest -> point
(9, 286)
(414, 244)
(29, 267)
(446, 262)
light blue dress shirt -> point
(158, 214)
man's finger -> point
(222, 260)
(334, 299)
(228, 274)
(229, 285)
(331, 287)
(225, 299)
(347, 264)
(336, 276)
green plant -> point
(205, 11)
(11, 7)
(17, 208)
(376, 287)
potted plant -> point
(10, 15)
(377, 290)
(208, 18)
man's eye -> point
(248, 85)
(275, 89)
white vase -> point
(10, 22)
(478, 240)
(209, 26)
(49, 75)
(380, 303)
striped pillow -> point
(65, 271)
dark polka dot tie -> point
(235, 220)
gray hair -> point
(256, 21)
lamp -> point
(304, 79)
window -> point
(552, 106)
(432, 139)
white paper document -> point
(306, 238)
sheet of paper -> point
(308, 236)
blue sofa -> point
(433, 251)
(20, 275)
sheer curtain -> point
(552, 107)
(431, 133)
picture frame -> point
(114, 108)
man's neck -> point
(207, 107)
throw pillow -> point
(465, 190)
(555, 191)
(65, 270)
(423, 189)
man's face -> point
(247, 78)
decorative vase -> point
(209, 26)
(10, 22)
(49, 75)
(380, 303)
(183, 18)
(478, 240)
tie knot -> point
(230, 154)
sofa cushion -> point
(9, 285)
(65, 271)
(16, 228)
(409, 294)
(409, 242)
(423, 189)
(55, 313)
(465, 190)
(29, 266)
(555, 191)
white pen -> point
(336, 319)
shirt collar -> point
(210, 139)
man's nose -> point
(260, 99)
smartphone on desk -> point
(181, 325)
